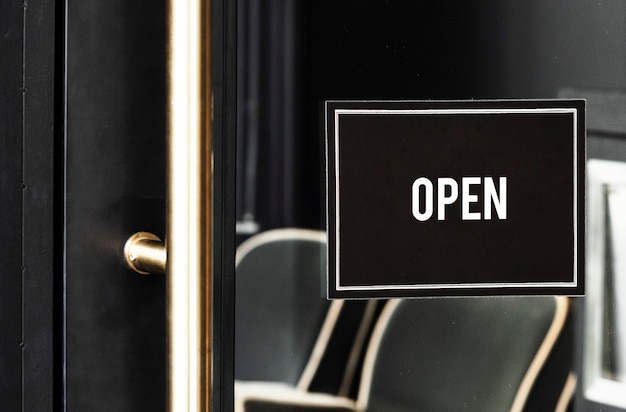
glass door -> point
(294, 56)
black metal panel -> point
(40, 191)
(27, 146)
(11, 124)
(115, 186)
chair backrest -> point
(470, 354)
(279, 308)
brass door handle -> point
(186, 258)
(145, 253)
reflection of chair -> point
(481, 354)
(283, 324)
(474, 354)
(279, 306)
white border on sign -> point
(443, 286)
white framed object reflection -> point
(605, 314)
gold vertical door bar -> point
(189, 206)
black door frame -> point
(33, 106)
(224, 77)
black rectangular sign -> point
(455, 198)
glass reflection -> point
(605, 340)
(293, 55)
(614, 349)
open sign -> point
(455, 198)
